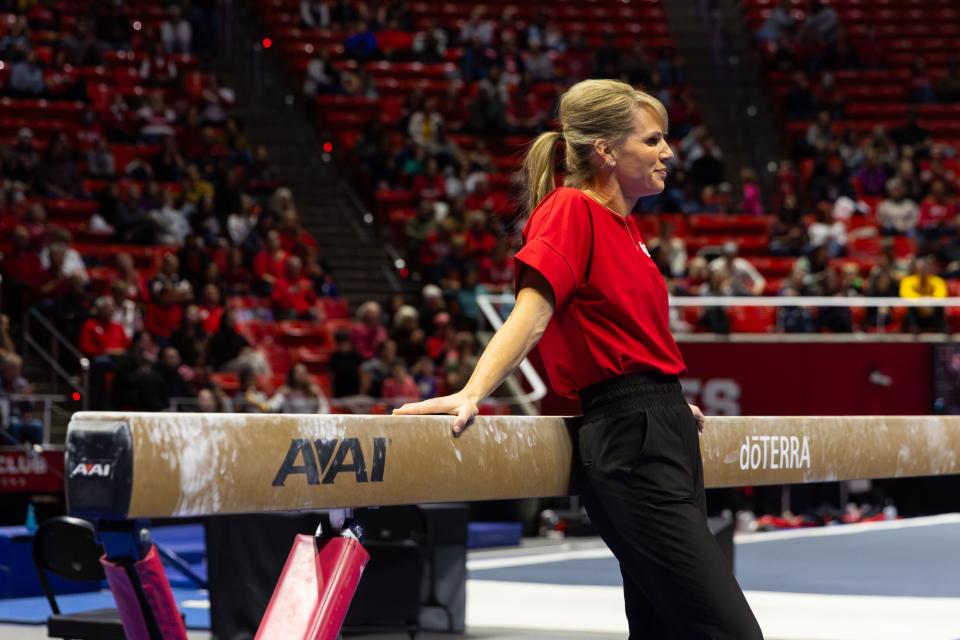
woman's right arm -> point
(506, 350)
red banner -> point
(26, 471)
(732, 378)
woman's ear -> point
(604, 153)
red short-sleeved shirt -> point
(611, 314)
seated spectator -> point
(400, 387)
(707, 169)
(835, 319)
(61, 263)
(361, 42)
(948, 86)
(497, 269)
(20, 425)
(479, 240)
(367, 333)
(191, 337)
(216, 100)
(26, 78)
(165, 311)
(821, 132)
(22, 270)
(477, 28)
(538, 63)
(797, 319)
(779, 23)
(924, 283)
(882, 283)
(100, 161)
(344, 366)
(58, 176)
(872, 175)
(937, 211)
(920, 86)
(293, 295)
(212, 400)
(156, 120)
(321, 76)
(300, 394)
(751, 203)
(821, 26)
(430, 185)
(230, 351)
(832, 183)
(269, 265)
(827, 231)
(744, 279)
(314, 14)
(897, 214)
(137, 386)
(211, 308)
(424, 376)
(170, 369)
(672, 251)
(799, 102)
(176, 32)
(172, 225)
(158, 68)
(126, 312)
(102, 340)
(374, 371)
(425, 123)
(486, 112)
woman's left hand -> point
(698, 415)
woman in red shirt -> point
(589, 292)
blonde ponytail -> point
(538, 167)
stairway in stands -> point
(272, 112)
(723, 69)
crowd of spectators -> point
(194, 218)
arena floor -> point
(889, 580)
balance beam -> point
(154, 465)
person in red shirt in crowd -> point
(368, 332)
(56, 280)
(293, 237)
(937, 212)
(479, 240)
(165, 314)
(496, 269)
(400, 385)
(211, 308)
(100, 335)
(102, 339)
(483, 198)
(22, 270)
(137, 289)
(270, 262)
(588, 290)
(293, 295)
(431, 185)
(236, 275)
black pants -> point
(643, 490)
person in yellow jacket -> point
(924, 283)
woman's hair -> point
(590, 110)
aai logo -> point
(321, 461)
(91, 470)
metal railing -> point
(46, 399)
(59, 348)
(807, 302)
(490, 314)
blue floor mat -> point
(37, 610)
